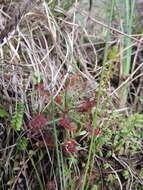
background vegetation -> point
(71, 96)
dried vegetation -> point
(63, 125)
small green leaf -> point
(17, 117)
(66, 5)
(126, 174)
(36, 77)
(22, 143)
(3, 113)
(113, 54)
(31, 152)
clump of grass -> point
(69, 131)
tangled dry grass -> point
(61, 86)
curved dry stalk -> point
(18, 13)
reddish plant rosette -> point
(90, 128)
(66, 123)
(87, 105)
(70, 147)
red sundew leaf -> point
(66, 111)
(96, 131)
(58, 100)
(38, 123)
(70, 147)
(66, 123)
(86, 106)
(49, 139)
